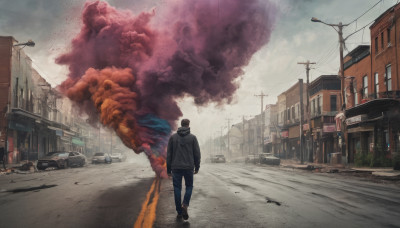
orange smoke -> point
(109, 89)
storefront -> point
(373, 132)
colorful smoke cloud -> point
(128, 70)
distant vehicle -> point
(61, 160)
(219, 158)
(269, 159)
(239, 159)
(118, 157)
(101, 158)
(251, 158)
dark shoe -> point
(185, 214)
(179, 217)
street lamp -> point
(339, 29)
(29, 43)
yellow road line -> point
(147, 215)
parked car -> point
(118, 157)
(269, 159)
(101, 158)
(219, 158)
(61, 160)
(251, 158)
(239, 159)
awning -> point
(382, 105)
(68, 133)
(54, 128)
(360, 129)
(78, 142)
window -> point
(21, 99)
(376, 45)
(382, 41)
(288, 114)
(319, 104)
(365, 86)
(376, 77)
(388, 35)
(313, 106)
(293, 113)
(333, 103)
(355, 93)
(389, 78)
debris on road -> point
(272, 201)
(44, 186)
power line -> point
(366, 12)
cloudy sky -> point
(53, 23)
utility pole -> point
(99, 138)
(339, 29)
(262, 95)
(221, 140)
(111, 150)
(301, 120)
(243, 136)
(229, 151)
(307, 65)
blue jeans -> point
(177, 175)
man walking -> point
(183, 160)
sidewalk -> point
(23, 167)
(383, 173)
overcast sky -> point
(53, 23)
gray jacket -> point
(183, 151)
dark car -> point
(269, 159)
(61, 160)
(251, 158)
(218, 158)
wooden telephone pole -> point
(262, 95)
(307, 65)
(227, 133)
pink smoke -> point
(195, 48)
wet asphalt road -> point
(224, 195)
(93, 196)
(239, 195)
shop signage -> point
(59, 132)
(306, 127)
(329, 128)
(267, 139)
(339, 118)
(356, 119)
(20, 126)
(285, 134)
(78, 142)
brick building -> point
(31, 123)
(289, 120)
(373, 112)
(325, 104)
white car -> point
(118, 157)
(101, 158)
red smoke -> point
(127, 70)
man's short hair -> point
(185, 123)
